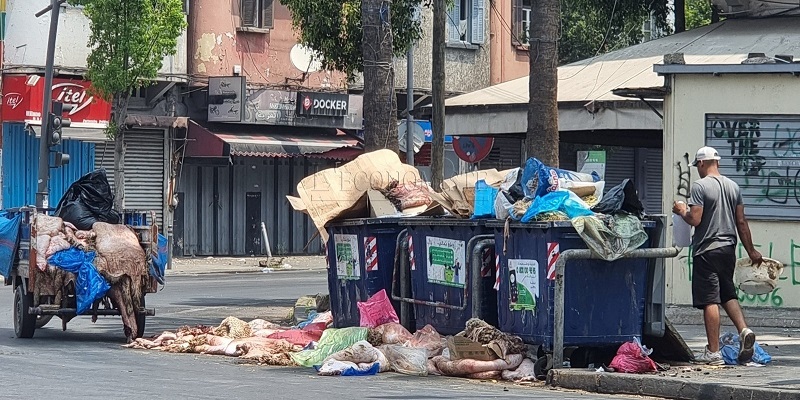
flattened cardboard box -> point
(463, 348)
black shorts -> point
(712, 277)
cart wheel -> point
(24, 323)
(542, 366)
(141, 320)
(42, 320)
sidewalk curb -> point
(657, 386)
(240, 271)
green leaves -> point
(332, 28)
(129, 40)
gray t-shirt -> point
(719, 197)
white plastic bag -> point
(406, 360)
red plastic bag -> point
(630, 359)
(377, 311)
(301, 337)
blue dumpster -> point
(605, 302)
(360, 256)
(440, 251)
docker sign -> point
(322, 104)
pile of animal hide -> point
(120, 259)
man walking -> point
(716, 212)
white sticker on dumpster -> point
(446, 261)
(523, 284)
(348, 265)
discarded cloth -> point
(332, 340)
(90, 285)
(729, 346)
(347, 368)
(633, 358)
(610, 240)
(479, 331)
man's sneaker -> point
(747, 340)
(711, 358)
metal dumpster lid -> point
(362, 221)
(441, 221)
(497, 223)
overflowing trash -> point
(729, 346)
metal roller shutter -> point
(506, 154)
(620, 165)
(144, 172)
(653, 181)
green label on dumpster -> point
(446, 261)
(523, 284)
(348, 265)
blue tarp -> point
(9, 240)
(90, 285)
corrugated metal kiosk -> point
(445, 278)
(360, 256)
(606, 303)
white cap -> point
(705, 154)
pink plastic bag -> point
(630, 359)
(377, 311)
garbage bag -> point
(361, 353)
(729, 346)
(539, 179)
(406, 360)
(88, 200)
(90, 285)
(503, 205)
(332, 340)
(631, 358)
(561, 200)
(377, 310)
(622, 234)
(393, 333)
(622, 197)
(9, 239)
(158, 264)
(347, 368)
(484, 200)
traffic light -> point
(56, 124)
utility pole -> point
(437, 87)
(43, 188)
(410, 106)
(542, 136)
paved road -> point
(87, 361)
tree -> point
(380, 107)
(437, 87)
(593, 27)
(542, 136)
(129, 40)
(698, 13)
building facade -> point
(264, 116)
(150, 137)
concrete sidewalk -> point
(778, 380)
(244, 265)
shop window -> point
(466, 22)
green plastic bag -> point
(332, 341)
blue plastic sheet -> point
(539, 179)
(729, 345)
(484, 200)
(158, 264)
(561, 200)
(9, 239)
(90, 285)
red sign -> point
(472, 149)
(23, 95)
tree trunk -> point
(542, 136)
(437, 87)
(120, 113)
(680, 16)
(380, 102)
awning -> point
(225, 140)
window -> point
(256, 14)
(466, 22)
(521, 21)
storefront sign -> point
(280, 107)
(323, 104)
(226, 96)
(23, 96)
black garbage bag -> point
(88, 200)
(622, 197)
(515, 191)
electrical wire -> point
(599, 48)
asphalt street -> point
(88, 362)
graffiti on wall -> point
(790, 280)
(684, 177)
(762, 155)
